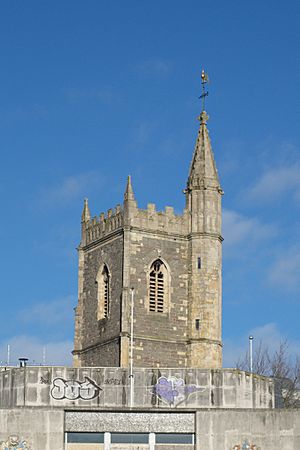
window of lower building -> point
(174, 438)
(85, 438)
(129, 438)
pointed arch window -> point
(103, 293)
(158, 287)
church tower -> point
(174, 264)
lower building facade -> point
(217, 429)
(60, 408)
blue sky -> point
(93, 91)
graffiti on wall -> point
(245, 446)
(174, 391)
(73, 389)
(170, 390)
(113, 381)
(45, 380)
(14, 443)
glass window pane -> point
(129, 438)
(85, 438)
(174, 438)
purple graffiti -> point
(173, 390)
(164, 388)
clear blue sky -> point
(91, 91)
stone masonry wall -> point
(108, 353)
(94, 331)
(160, 338)
(205, 302)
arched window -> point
(158, 287)
(103, 293)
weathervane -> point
(204, 80)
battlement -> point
(166, 221)
(102, 225)
(160, 221)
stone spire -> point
(129, 195)
(86, 215)
(130, 205)
(203, 172)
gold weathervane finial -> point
(204, 80)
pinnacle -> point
(86, 215)
(129, 195)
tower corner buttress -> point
(203, 200)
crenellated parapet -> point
(160, 221)
(150, 219)
(97, 227)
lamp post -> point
(251, 352)
(131, 351)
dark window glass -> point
(199, 263)
(86, 438)
(129, 438)
(174, 438)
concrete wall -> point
(268, 430)
(42, 429)
(153, 388)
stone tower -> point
(174, 264)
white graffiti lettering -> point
(73, 390)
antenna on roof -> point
(44, 355)
(8, 355)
